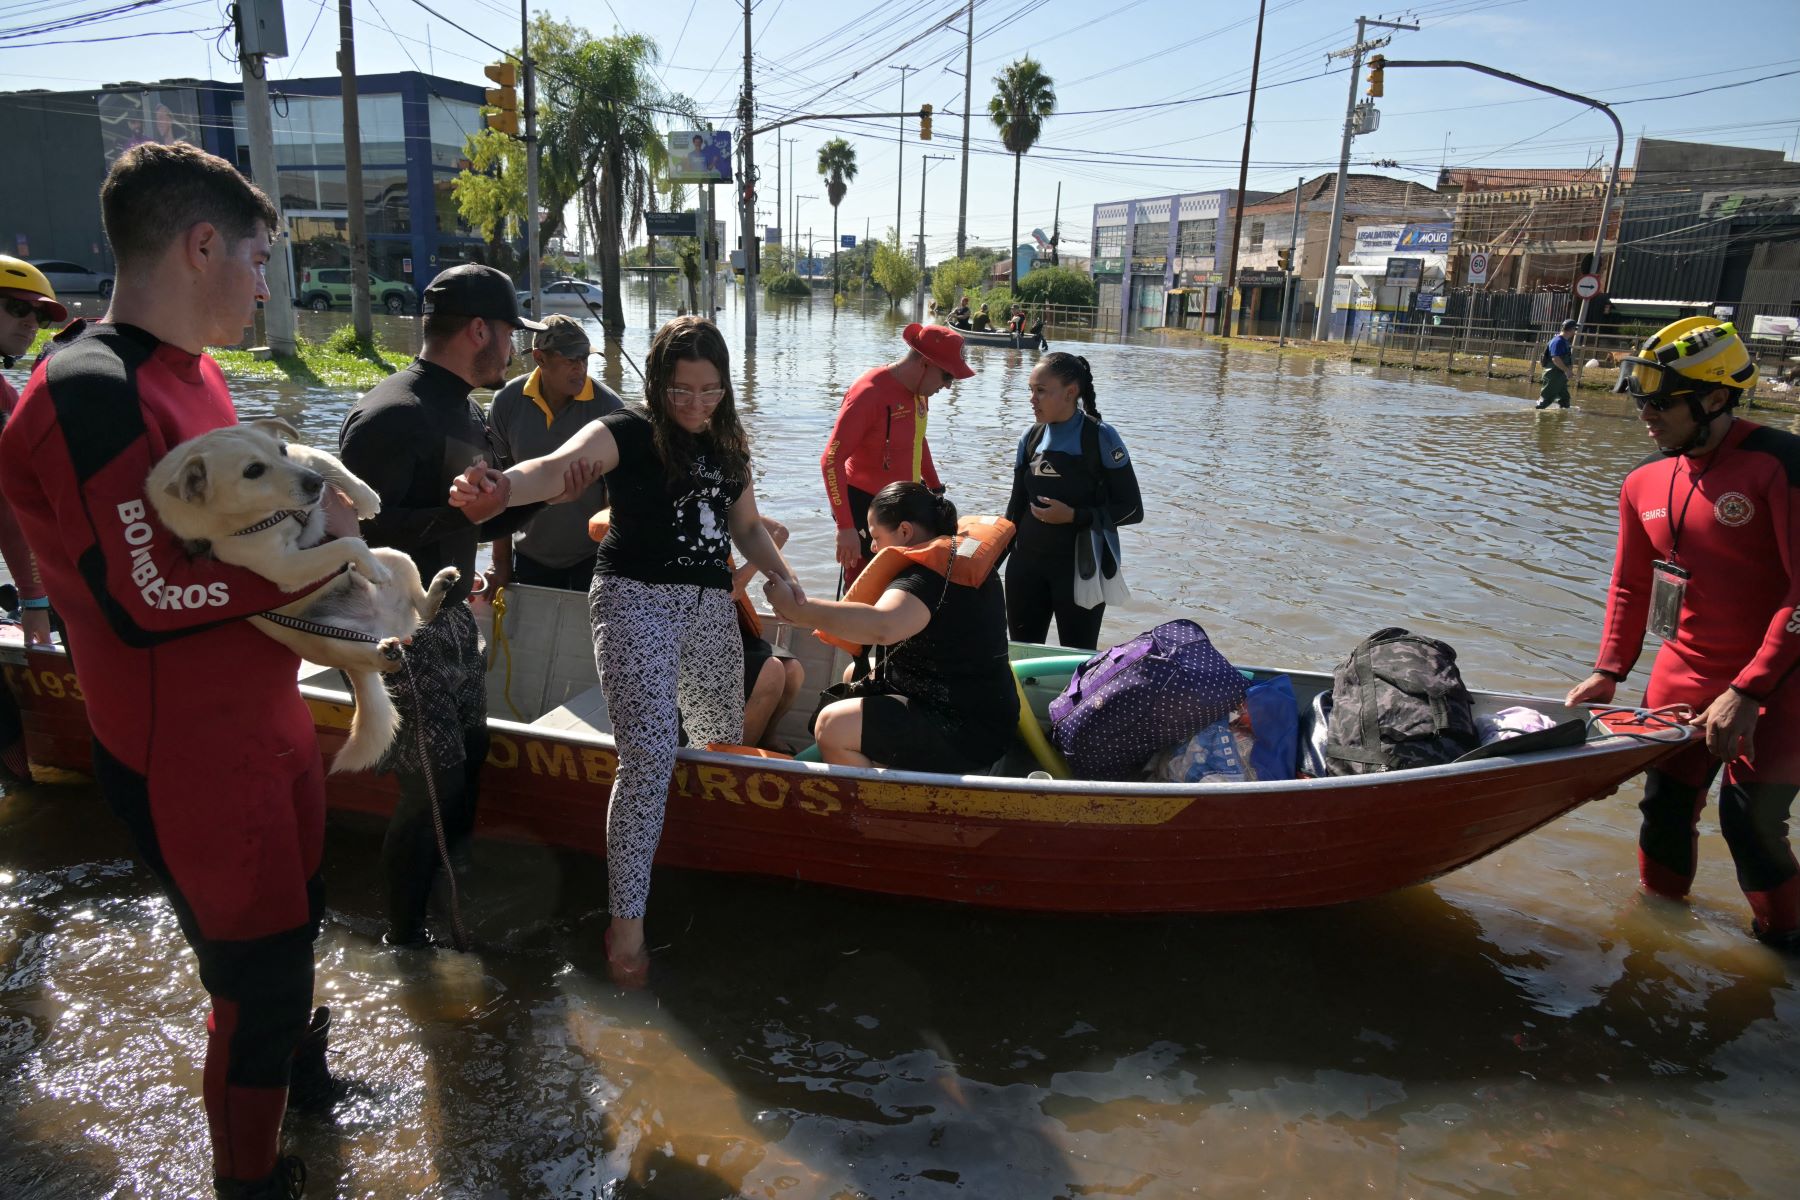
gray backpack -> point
(1397, 702)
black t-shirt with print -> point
(957, 665)
(662, 533)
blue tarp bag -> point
(1275, 721)
(1142, 696)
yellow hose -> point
(498, 644)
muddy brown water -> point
(1526, 1026)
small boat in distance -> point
(1032, 339)
(1000, 840)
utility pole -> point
(747, 190)
(900, 153)
(1293, 261)
(1322, 327)
(278, 313)
(1237, 209)
(531, 160)
(780, 209)
(1056, 229)
(919, 291)
(360, 316)
(962, 206)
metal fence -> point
(1472, 346)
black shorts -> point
(756, 653)
(900, 732)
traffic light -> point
(503, 99)
(924, 122)
(1377, 64)
(1285, 258)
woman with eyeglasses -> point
(665, 631)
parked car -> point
(567, 295)
(73, 277)
(325, 288)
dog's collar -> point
(272, 520)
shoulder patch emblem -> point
(1118, 454)
(1734, 508)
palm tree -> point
(837, 162)
(1025, 100)
(601, 120)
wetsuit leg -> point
(638, 630)
(1029, 601)
(1668, 838)
(1754, 819)
(235, 842)
(443, 694)
(1076, 627)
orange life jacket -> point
(966, 559)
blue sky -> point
(816, 56)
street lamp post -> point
(800, 200)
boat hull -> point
(1070, 847)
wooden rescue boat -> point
(1001, 840)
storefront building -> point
(413, 130)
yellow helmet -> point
(20, 279)
(1694, 354)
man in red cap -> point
(879, 436)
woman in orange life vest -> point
(942, 696)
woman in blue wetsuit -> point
(1071, 479)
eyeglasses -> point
(689, 398)
(20, 309)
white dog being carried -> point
(250, 497)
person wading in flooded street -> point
(1708, 559)
(202, 743)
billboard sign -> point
(130, 119)
(678, 224)
(1404, 272)
(1431, 239)
(699, 156)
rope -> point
(459, 935)
(499, 644)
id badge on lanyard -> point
(1668, 590)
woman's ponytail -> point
(1072, 368)
(913, 502)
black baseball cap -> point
(472, 290)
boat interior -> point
(541, 673)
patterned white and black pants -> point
(667, 652)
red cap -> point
(940, 345)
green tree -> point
(895, 271)
(1025, 100)
(955, 277)
(1062, 286)
(490, 194)
(837, 163)
(603, 100)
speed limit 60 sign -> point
(1478, 264)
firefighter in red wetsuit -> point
(29, 304)
(1709, 559)
(879, 435)
(203, 744)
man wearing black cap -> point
(531, 417)
(408, 438)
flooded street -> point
(1528, 1026)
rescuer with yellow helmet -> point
(1708, 559)
(27, 302)
(1697, 362)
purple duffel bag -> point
(1155, 691)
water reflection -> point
(1523, 1027)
